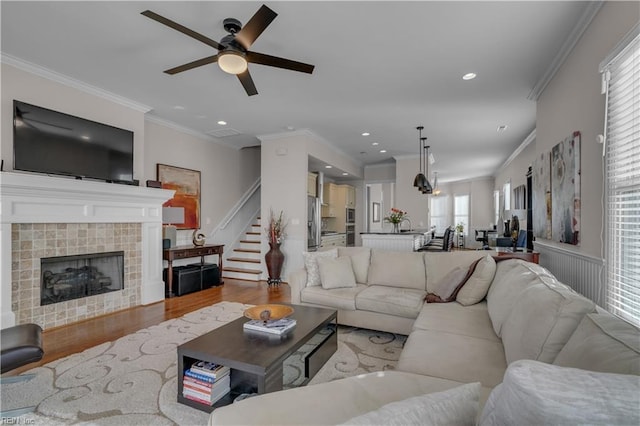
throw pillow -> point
(447, 288)
(311, 264)
(457, 406)
(336, 273)
(476, 287)
(537, 393)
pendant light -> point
(420, 179)
(426, 187)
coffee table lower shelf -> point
(253, 373)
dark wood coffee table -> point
(256, 359)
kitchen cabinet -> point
(331, 199)
(312, 184)
(350, 196)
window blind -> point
(622, 182)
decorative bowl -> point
(268, 312)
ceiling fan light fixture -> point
(232, 62)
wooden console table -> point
(528, 255)
(183, 252)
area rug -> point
(133, 380)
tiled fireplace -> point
(44, 218)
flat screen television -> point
(51, 142)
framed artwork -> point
(541, 196)
(186, 183)
(375, 212)
(565, 190)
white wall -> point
(225, 173)
(407, 196)
(572, 102)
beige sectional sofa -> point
(540, 352)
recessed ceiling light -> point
(366, 134)
(222, 123)
(291, 128)
(469, 76)
(383, 151)
(178, 107)
(328, 167)
(375, 143)
(501, 128)
(345, 174)
(85, 137)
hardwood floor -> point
(66, 340)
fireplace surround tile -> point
(31, 242)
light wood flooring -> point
(69, 339)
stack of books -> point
(206, 382)
(280, 326)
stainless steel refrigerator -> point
(313, 223)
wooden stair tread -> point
(244, 259)
(243, 270)
(253, 233)
(241, 250)
(250, 241)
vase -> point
(274, 259)
(396, 228)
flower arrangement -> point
(396, 216)
(460, 228)
(276, 228)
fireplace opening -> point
(73, 277)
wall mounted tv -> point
(51, 142)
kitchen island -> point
(403, 241)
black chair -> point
(21, 345)
(440, 244)
(483, 236)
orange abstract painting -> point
(186, 183)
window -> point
(506, 189)
(621, 76)
(440, 213)
(496, 207)
(461, 211)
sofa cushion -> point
(477, 285)
(453, 357)
(360, 260)
(404, 302)
(445, 290)
(438, 265)
(397, 269)
(338, 298)
(311, 264)
(603, 342)
(454, 318)
(542, 320)
(511, 278)
(536, 393)
(336, 273)
(457, 406)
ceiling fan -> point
(233, 50)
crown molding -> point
(71, 82)
(567, 47)
(519, 149)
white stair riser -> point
(257, 256)
(243, 265)
(241, 276)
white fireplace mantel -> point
(31, 198)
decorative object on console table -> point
(197, 238)
(171, 216)
(186, 183)
(274, 257)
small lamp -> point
(171, 216)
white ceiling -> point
(382, 67)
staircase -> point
(244, 263)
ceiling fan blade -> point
(184, 30)
(192, 65)
(247, 83)
(274, 61)
(256, 25)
